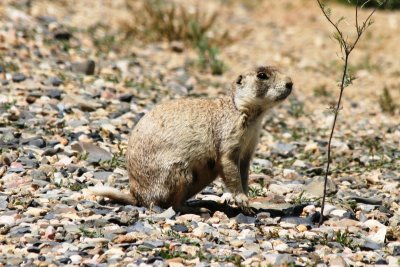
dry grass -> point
(157, 20)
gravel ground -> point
(72, 87)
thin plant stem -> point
(331, 136)
(346, 48)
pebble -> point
(18, 77)
(316, 187)
(85, 67)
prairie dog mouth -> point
(284, 94)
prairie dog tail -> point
(114, 194)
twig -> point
(346, 48)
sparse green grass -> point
(342, 237)
(208, 54)
(7, 106)
(321, 91)
(301, 199)
(102, 38)
(77, 186)
(255, 191)
(296, 108)
(364, 64)
(117, 160)
(83, 156)
(386, 102)
(164, 20)
(161, 20)
(91, 234)
(182, 238)
(167, 253)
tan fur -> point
(112, 193)
(181, 146)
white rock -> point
(277, 259)
(7, 220)
(280, 189)
(299, 163)
(311, 147)
(75, 259)
(36, 212)
(203, 229)
(377, 231)
(309, 209)
(338, 213)
(328, 209)
(338, 261)
(290, 174)
(266, 245)
(281, 247)
(247, 234)
(213, 198)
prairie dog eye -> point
(262, 76)
(239, 79)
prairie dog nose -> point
(289, 83)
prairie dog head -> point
(261, 89)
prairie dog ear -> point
(239, 79)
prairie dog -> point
(181, 146)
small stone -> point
(316, 187)
(96, 154)
(55, 81)
(18, 77)
(38, 142)
(371, 245)
(33, 249)
(277, 259)
(290, 174)
(236, 243)
(50, 152)
(100, 175)
(153, 243)
(7, 220)
(86, 67)
(50, 233)
(338, 261)
(246, 254)
(283, 149)
(315, 171)
(337, 212)
(167, 214)
(38, 175)
(16, 167)
(36, 212)
(311, 147)
(62, 35)
(126, 97)
(281, 247)
(366, 200)
(75, 259)
(302, 228)
(54, 93)
(244, 219)
(263, 163)
(297, 220)
(177, 46)
(299, 163)
(177, 88)
(180, 228)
